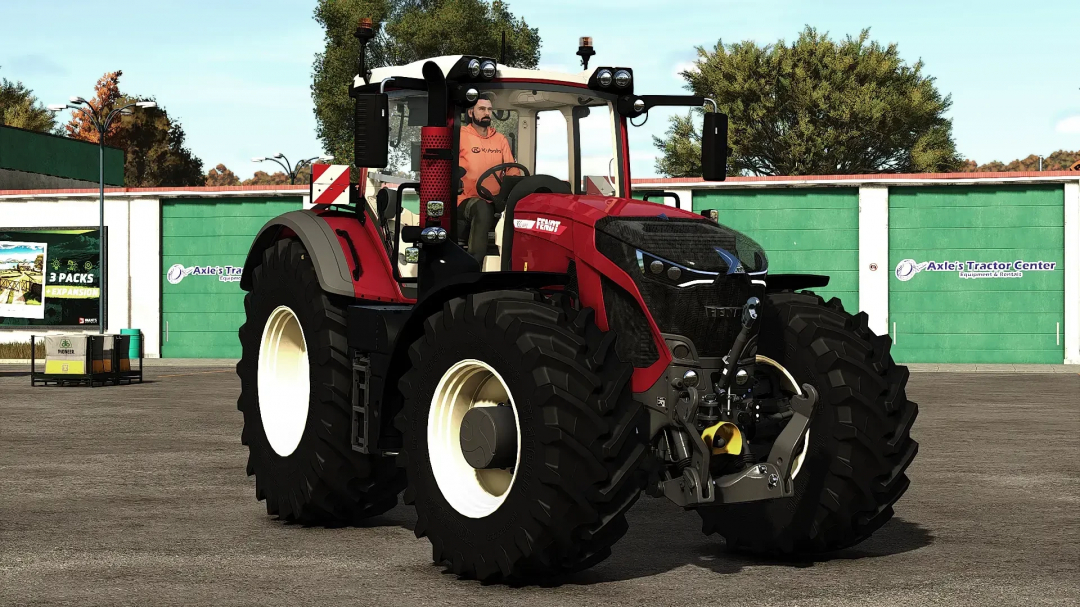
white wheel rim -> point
(802, 456)
(284, 382)
(471, 492)
(794, 386)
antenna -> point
(502, 52)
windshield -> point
(567, 133)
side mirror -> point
(371, 131)
(386, 202)
(714, 147)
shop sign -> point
(908, 268)
(178, 272)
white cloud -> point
(1069, 125)
(683, 67)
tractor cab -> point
(561, 133)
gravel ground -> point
(137, 495)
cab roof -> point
(446, 62)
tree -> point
(106, 94)
(221, 176)
(39, 263)
(1060, 160)
(815, 107)
(264, 178)
(153, 143)
(19, 108)
(411, 30)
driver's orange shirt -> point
(478, 154)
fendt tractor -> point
(607, 346)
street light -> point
(101, 123)
(285, 165)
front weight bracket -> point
(771, 479)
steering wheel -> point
(501, 169)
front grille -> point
(682, 310)
(688, 242)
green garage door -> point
(956, 294)
(809, 231)
(203, 247)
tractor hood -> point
(674, 235)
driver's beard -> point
(484, 122)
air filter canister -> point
(436, 159)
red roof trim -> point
(876, 177)
(204, 189)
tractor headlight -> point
(434, 209)
(488, 69)
(474, 68)
(604, 78)
(622, 79)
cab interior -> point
(566, 139)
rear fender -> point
(318, 238)
(349, 257)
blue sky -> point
(237, 74)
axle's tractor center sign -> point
(178, 272)
(908, 268)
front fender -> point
(318, 238)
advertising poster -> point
(49, 277)
(22, 266)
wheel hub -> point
(489, 437)
(473, 438)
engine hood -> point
(590, 209)
(675, 235)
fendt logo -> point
(178, 272)
(540, 224)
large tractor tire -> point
(295, 377)
(859, 437)
(573, 439)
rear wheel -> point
(295, 389)
(858, 445)
(523, 444)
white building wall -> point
(874, 267)
(144, 277)
(1072, 273)
(134, 244)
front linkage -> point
(697, 485)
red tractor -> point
(609, 347)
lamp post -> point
(285, 165)
(101, 123)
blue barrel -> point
(136, 341)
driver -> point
(482, 147)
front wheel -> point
(858, 445)
(523, 445)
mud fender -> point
(318, 238)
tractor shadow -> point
(399, 516)
(661, 542)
